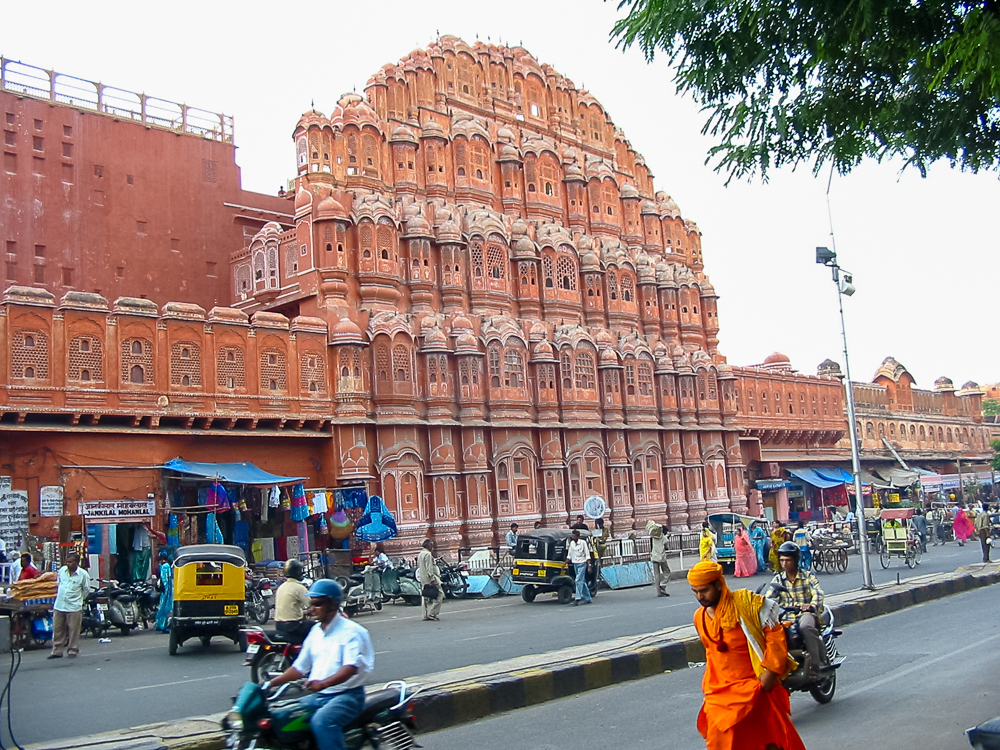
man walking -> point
(67, 615)
(984, 525)
(578, 554)
(746, 657)
(919, 522)
(937, 526)
(429, 577)
(658, 557)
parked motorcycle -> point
(281, 722)
(95, 614)
(148, 600)
(363, 592)
(123, 609)
(821, 688)
(400, 582)
(454, 579)
(268, 654)
(259, 596)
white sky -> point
(923, 251)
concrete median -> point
(470, 693)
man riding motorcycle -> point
(336, 656)
(291, 605)
(799, 588)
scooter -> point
(123, 609)
(363, 592)
(400, 582)
(281, 722)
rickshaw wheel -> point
(830, 560)
(565, 594)
(528, 593)
(842, 561)
(242, 642)
(172, 643)
(884, 559)
(916, 555)
(909, 558)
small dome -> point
(537, 332)
(648, 207)
(524, 245)
(329, 208)
(590, 262)
(542, 352)
(303, 198)
(970, 386)
(776, 358)
(466, 343)
(604, 338)
(346, 331)
(609, 358)
(312, 117)
(402, 134)
(509, 152)
(944, 384)
(628, 191)
(505, 134)
(461, 323)
(432, 129)
(830, 368)
(435, 340)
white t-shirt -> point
(342, 643)
(578, 552)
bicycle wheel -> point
(916, 554)
(842, 560)
(883, 559)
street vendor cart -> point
(30, 611)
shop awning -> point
(874, 481)
(244, 473)
(898, 478)
(841, 476)
(813, 477)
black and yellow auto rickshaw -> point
(209, 594)
(540, 564)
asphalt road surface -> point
(913, 680)
(133, 681)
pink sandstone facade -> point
(517, 319)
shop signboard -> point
(771, 484)
(13, 514)
(50, 501)
(101, 511)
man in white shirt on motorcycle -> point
(336, 656)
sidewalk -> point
(462, 695)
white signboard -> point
(117, 510)
(13, 514)
(50, 500)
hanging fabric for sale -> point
(318, 503)
(300, 511)
(303, 530)
(213, 534)
(377, 524)
(340, 525)
(218, 497)
(321, 525)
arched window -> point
(85, 375)
(382, 363)
(513, 367)
(629, 378)
(136, 375)
(29, 342)
(401, 363)
(612, 285)
(29, 372)
(627, 288)
(566, 368)
(136, 347)
(645, 378)
(584, 370)
(548, 271)
(494, 362)
(566, 270)
(386, 241)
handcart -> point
(829, 550)
(30, 622)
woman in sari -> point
(777, 539)
(706, 546)
(758, 538)
(962, 527)
(166, 586)
(746, 558)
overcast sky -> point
(923, 251)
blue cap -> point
(327, 588)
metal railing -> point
(38, 83)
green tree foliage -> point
(995, 463)
(991, 407)
(788, 82)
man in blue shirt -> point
(336, 656)
(67, 615)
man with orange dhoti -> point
(746, 656)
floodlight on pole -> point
(845, 287)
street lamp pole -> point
(845, 286)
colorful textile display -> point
(340, 525)
(274, 498)
(218, 497)
(241, 535)
(300, 510)
(213, 534)
(350, 497)
(377, 524)
(321, 526)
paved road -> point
(914, 679)
(141, 683)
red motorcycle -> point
(269, 653)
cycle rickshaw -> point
(897, 537)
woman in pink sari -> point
(746, 557)
(962, 527)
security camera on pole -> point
(845, 287)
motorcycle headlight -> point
(234, 721)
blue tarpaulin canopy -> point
(244, 473)
(840, 476)
(813, 477)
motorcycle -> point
(122, 610)
(281, 722)
(95, 614)
(148, 600)
(362, 592)
(804, 678)
(985, 736)
(268, 654)
(258, 597)
(454, 579)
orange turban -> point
(705, 573)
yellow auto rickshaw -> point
(209, 594)
(540, 564)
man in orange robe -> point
(746, 707)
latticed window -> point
(526, 271)
(432, 370)
(713, 387)
(476, 255)
(230, 367)
(272, 370)
(480, 157)
(627, 287)
(386, 241)
(401, 363)
(548, 270)
(530, 176)
(366, 233)
(301, 148)
(566, 366)
(460, 162)
(30, 355)
(497, 258)
(630, 379)
(584, 370)
(566, 269)
(352, 150)
(550, 178)
(612, 285)
(611, 381)
(703, 386)
(594, 193)
(513, 367)
(291, 260)
(312, 372)
(610, 199)
(185, 364)
(382, 366)
(86, 362)
(547, 377)
(493, 355)
(371, 165)
(645, 379)
(137, 361)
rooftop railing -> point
(38, 83)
